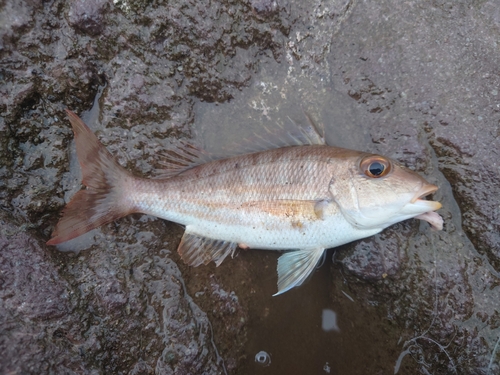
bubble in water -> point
(263, 359)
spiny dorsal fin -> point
(180, 158)
(284, 136)
(185, 155)
(314, 133)
(196, 250)
(295, 266)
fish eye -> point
(375, 166)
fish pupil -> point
(376, 168)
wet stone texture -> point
(417, 81)
(431, 90)
(109, 312)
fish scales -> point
(236, 197)
(289, 176)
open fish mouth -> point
(433, 218)
(419, 198)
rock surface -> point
(417, 81)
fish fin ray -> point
(315, 132)
(283, 136)
(185, 155)
(102, 201)
(180, 158)
(279, 135)
(295, 266)
(196, 250)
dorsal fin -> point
(313, 133)
(279, 136)
(180, 158)
(185, 155)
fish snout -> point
(424, 191)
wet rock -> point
(374, 259)
(428, 109)
(87, 16)
(428, 99)
(265, 8)
(87, 314)
(416, 82)
(35, 302)
(14, 19)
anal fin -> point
(295, 266)
(196, 250)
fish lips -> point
(424, 209)
(424, 191)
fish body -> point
(267, 200)
(300, 198)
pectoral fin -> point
(196, 250)
(295, 266)
(320, 207)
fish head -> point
(375, 192)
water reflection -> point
(329, 321)
(327, 368)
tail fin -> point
(103, 201)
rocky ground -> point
(417, 81)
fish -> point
(300, 199)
